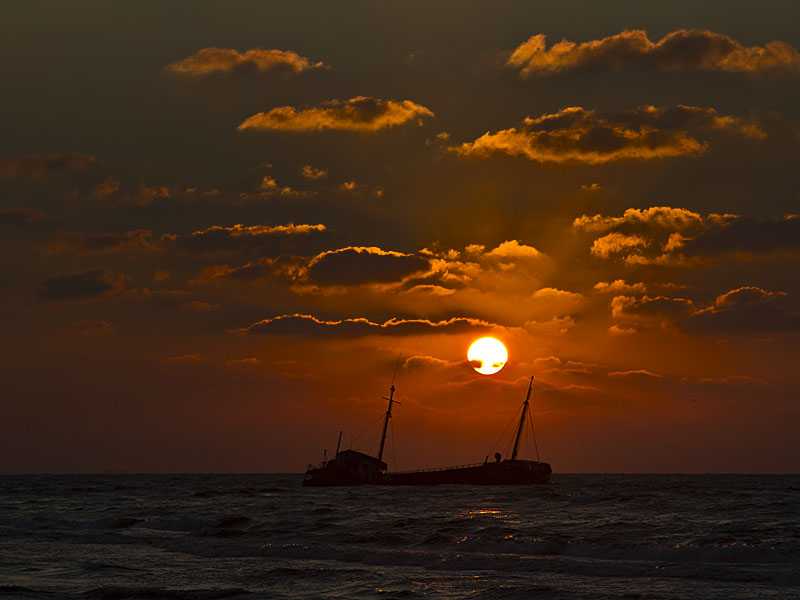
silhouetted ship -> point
(351, 467)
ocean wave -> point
(132, 593)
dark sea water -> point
(265, 536)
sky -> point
(226, 227)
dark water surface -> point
(264, 536)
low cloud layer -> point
(577, 135)
(360, 114)
(225, 60)
(310, 326)
(37, 166)
(681, 50)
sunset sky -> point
(223, 222)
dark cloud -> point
(647, 306)
(353, 266)
(215, 239)
(257, 238)
(310, 326)
(257, 60)
(37, 166)
(22, 216)
(102, 243)
(577, 135)
(747, 309)
(85, 285)
(746, 236)
(361, 114)
(681, 50)
(667, 236)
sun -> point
(487, 355)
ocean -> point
(265, 536)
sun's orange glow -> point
(487, 355)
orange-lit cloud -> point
(677, 219)
(684, 49)
(577, 135)
(84, 285)
(614, 243)
(308, 325)
(269, 187)
(225, 60)
(362, 114)
(620, 286)
(313, 173)
(37, 166)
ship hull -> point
(355, 468)
(508, 472)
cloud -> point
(215, 239)
(577, 135)
(22, 216)
(38, 166)
(93, 328)
(184, 359)
(224, 60)
(511, 249)
(747, 309)
(647, 306)
(425, 363)
(638, 374)
(681, 50)
(614, 243)
(746, 237)
(665, 217)
(105, 189)
(362, 114)
(102, 243)
(310, 326)
(313, 173)
(667, 236)
(357, 265)
(199, 306)
(142, 195)
(238, 238)
(269, 187)
(85, 285)
(619, 286)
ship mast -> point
(522, 421)
(386, 420)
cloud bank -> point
(681, 50)
(577, 135)
(310, 326)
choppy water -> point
(264, 536)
